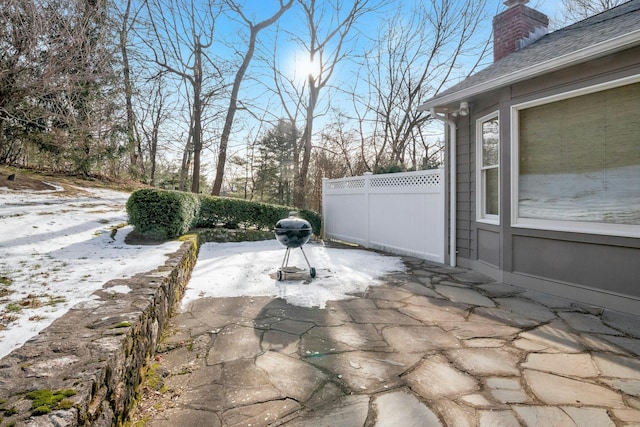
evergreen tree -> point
(275, 164)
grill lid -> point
(293, 222)
(293, 232)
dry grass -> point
(29, 180)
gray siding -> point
(612, 269)
(465, 238)
(606, 263)
(489, 247)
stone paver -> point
(587, 323)
(526, 309)
(507, 390)
(573, 365)
(464, 295)
(623, 322)
(401, 408)
(434, 346)
(557, 390)
(498, 419)
(501, 316)
(566, 417)
(436, 378)
(485, 361)
(615, 366)
(418, 339)
(555, 337)
(631, 345)
(293, 377)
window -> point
(488, 160)
(577, 161)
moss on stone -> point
(10, 411)
(124, 324)
(44, 401)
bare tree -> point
(339, 147)
(328, 29)
(187, 156)
(153, 115)
(127, 21)
(417, 52)
(577, 10)
(291, 97)
(254, 30)
(182, 32)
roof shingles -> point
(616, 22)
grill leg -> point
(305, 257)
(285, 261)
(312, 271)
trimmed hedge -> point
(162, 214)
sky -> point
(291, 59)
(56, 251)
(293, 21)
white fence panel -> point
(399, 213)
(346, 200)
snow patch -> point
(249, 268)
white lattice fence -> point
(400, 213)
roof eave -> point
(613, 45)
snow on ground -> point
(56, 250)
(248, 269)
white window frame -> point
(481, 214)
(624, 230)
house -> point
(544, 157)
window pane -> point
(490, 142)
(580, 158)
(491, 188)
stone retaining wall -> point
(95, 354)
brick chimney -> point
(516, 27)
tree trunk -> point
(197, 117)
(134, 159)
(300, 183)
(186, 159)
(237, 81)
(154, 147)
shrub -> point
(161, 214)
(235, 213)
(220, 211)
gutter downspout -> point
(452, 184)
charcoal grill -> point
(292, 232)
